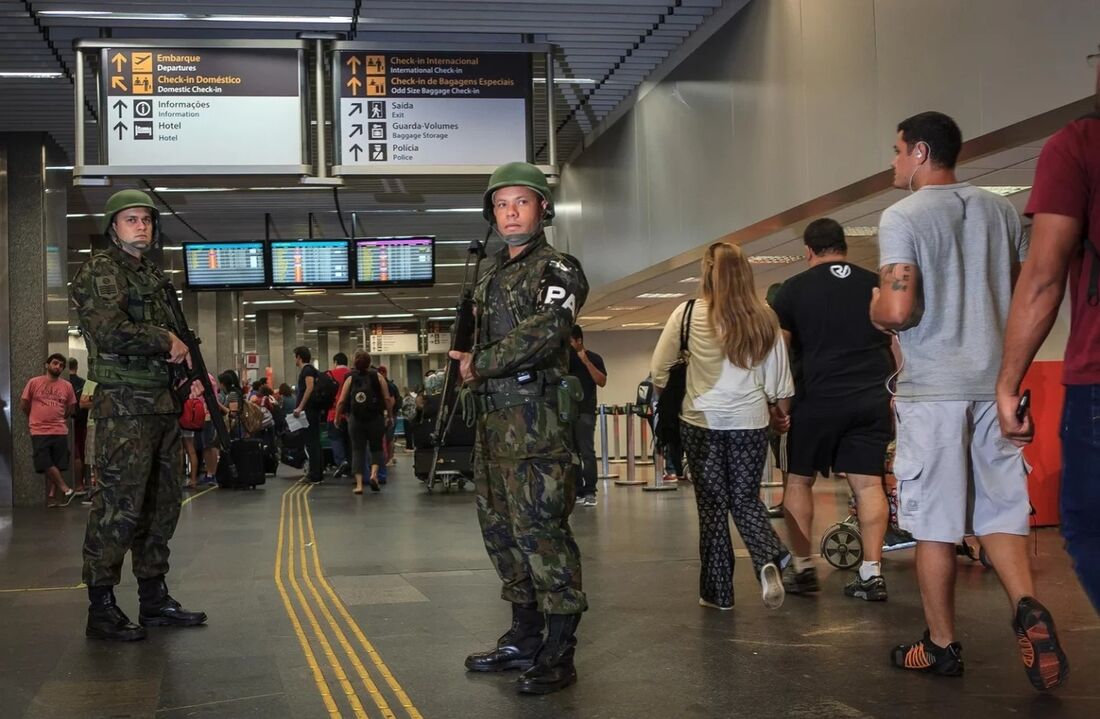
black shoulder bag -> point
(672, 396)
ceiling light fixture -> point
(566, 81)
(395, 316)
(622, 309)
(31, 75)
(306, 293)
(641, 324)
(201, 17)
(595, 318)
(689, 279)
(1006, 190)
(860, 231)
(269, 302)
(359, 294)
(441, 319)
(356, 317)
(775, 259)
(660, 295)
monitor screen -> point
(310, 263)
(395, 261)
(224, 265)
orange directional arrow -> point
(354, 83)
(117, 83)
(353, 63)
(119, 59)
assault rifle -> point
(195, 369)
(462, 340)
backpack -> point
(193, 416)
(365, 397)
(325, 389)
(408, 408)
(251, 418)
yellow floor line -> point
(43, 589)
(193, 497)
(82, 585)
(376, 659)
(300, 500)
(311, 660)
(326, 647)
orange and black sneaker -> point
(1044, 660)
(925, 656)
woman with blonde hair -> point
(738, 382)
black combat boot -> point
(553, 669)
(158, 609)
(106, 620)
(517, 648)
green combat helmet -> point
(513, 174)
(124, 200)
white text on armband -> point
(555, 294)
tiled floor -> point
(414, 581)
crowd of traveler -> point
(930, 354)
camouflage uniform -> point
(124, 318)
(525, 468)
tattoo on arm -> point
(899, 276)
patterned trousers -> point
(726, 466)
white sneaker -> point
(771, 584)
(712, 605)
(580, 499)
(590, 500)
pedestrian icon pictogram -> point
(377, 130)
(143, 108)
(143, 61)
(377, 152)
(142, 84)
(376, 64)
(376, 86)
(143, 129)
(376, 109)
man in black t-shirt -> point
(588, 367)
(307, 375)
(80, 430)
(841, 420)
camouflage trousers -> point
(525, 473)
(138, 501)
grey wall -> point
(796, 98)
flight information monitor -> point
(395, 261)
(310, 263)
(224, 265)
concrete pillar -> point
(263, 345)
(227, 327)
(292, 337)
(33, 294)
(349, 342)
(324, 353)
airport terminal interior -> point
(318, 171)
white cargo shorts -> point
(956, 472)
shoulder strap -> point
(685, 326)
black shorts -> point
(50, 450)
(839, 436)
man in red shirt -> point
(49, 402)
(1065, 240)
(337, 434)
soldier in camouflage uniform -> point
(119, 298)
(525, 467)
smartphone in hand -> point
(1024, 405)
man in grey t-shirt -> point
(949, 255)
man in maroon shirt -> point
(1065, 240)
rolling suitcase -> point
(247, 454)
